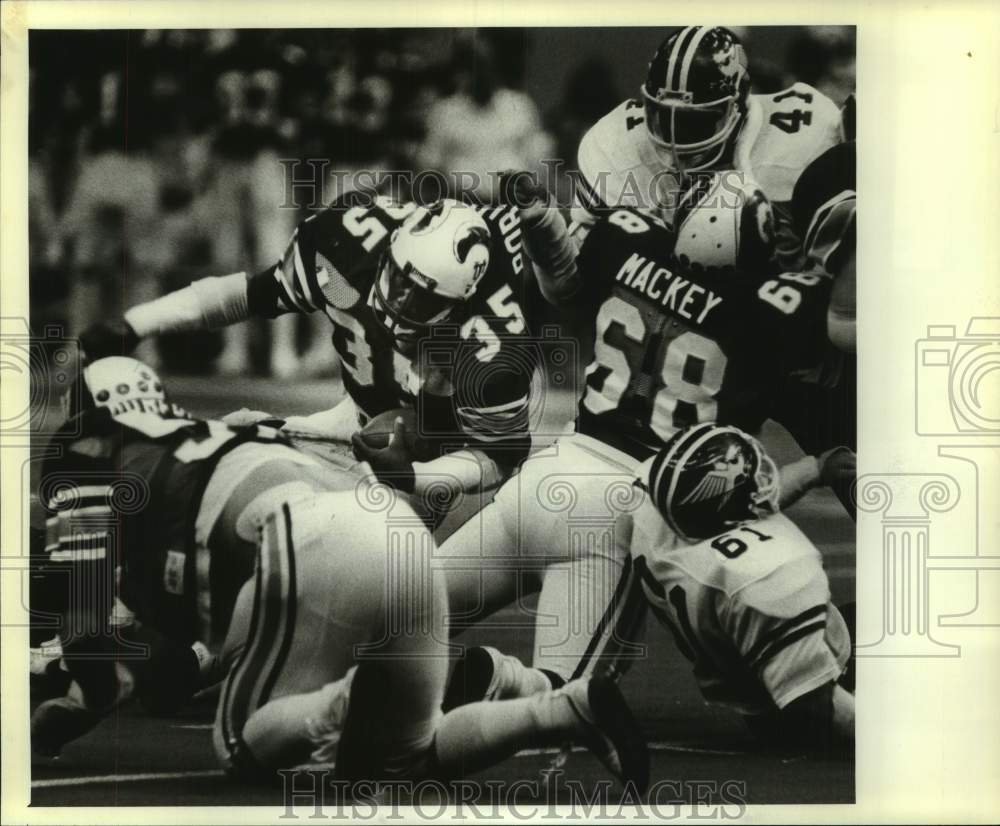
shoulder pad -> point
(608, 152)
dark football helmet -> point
(708, 478)
(695, 94)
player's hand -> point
(392, 464)
(521, 189)
(57, 722)
(62, 720)
(244, 417)
(837, 466)
(108, 338)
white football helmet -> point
(724, 223)
(433, 265)
(118, 383)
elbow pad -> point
(205, 304)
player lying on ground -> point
(386, 274)
(137, 495)
(320, 574)
(689, 327)
(740, 588)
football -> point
(379, 430)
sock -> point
(554, 680)
(472, 737)
(519, 680)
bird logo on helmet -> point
(695, 95)
(118, 383)
(432, 267)
(708, 478)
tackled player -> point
(202, 519)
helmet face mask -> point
(709, 479)
(691, 131)
(404, 301)
(432, 267)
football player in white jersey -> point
(741, 589)
(695, 112)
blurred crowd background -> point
(158, 157)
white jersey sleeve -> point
(796, 126)
(618, 166)
(788, 632)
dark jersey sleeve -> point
(792, 311)
(823, 207)
(593, 258)
(76, 489)
(320, 265)
(621, 233)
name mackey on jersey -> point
(462, 382)
(751, 610)
(676, 347)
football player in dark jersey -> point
(137, 491)
(191, 521)
(387, 275)
(692, 326)
(823, 210)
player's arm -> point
(831, 468)
(293, 284)
(794, 640)
(470, 438)
(547, 239)
(80, 560)
(821, 721)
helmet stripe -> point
(675, 53)
(692, 50)
(662, 465)
(696, 437)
